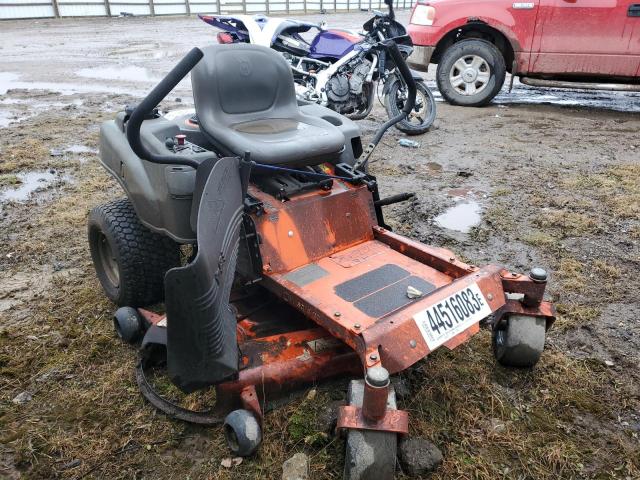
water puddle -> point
(11, 81)
(6, 118)
(525, 94)
(30, 182)
(80, 149)
(461, 217)
(119, 72)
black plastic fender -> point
(202, 348)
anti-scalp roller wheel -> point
(242, 433)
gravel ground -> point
(539, 177)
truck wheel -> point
(470, 73)
(130, 260)
(519, 341)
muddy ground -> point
(547, 178)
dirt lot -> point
(541, 177)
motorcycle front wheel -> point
(423, 114)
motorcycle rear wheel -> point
(423, 114)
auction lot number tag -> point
(452, 315)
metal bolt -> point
(490, 297)
(514, 274)
(412, 343)
(373, 357)
(357, 326)
(290, 233)
(377, 377)
(348, 214)
(452, 259)
(337, 314)
(538, 274)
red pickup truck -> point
(559, 43)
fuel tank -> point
(333, 44)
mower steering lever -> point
(151, 101)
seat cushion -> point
(245, 102)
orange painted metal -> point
(517, 283)
(515, 307)
(374, 401)
(440, 259)
(151, 317)
(312, 225)
(249, 399)
(350, 417)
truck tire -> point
(130, 260)
(470, 73)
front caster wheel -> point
(242, 433)
(370, 454)
(519, 341)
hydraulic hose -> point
(151, 101)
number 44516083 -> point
(452, 315)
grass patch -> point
(540, 239)
(575, 314)
(567, 223)
(571, 274)
(9, 179)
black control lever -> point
(151, 101)
(405, 73)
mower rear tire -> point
(130, 260)
(242, 433)
(128, 324)
(519, 341)
(369, 454)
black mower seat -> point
(245, 102)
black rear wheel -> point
(130, 260)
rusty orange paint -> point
(312, 225)
(350, 417)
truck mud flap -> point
(202, 348)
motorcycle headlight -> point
(423, 15)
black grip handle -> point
(151, 101)
(405, 73)
(392, 14)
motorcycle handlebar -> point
(392, 14)
(151, 101)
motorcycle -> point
(339, 69)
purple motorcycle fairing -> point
(333, 44)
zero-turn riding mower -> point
(293, 277)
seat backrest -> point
(241, 82)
